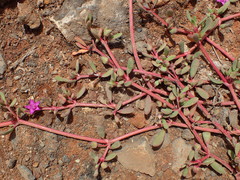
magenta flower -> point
(33, 106)
(222, 1)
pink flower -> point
(33, 106)
(222, 1)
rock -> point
(233, 119)
(187, 135)
(134, 153)
(138, 120)
(70, 19)
(3, 66)
(11, 163)
(28, 16)
(180, 151)
(25, 172)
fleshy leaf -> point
(81, 92)
(206, 137)
(13, 102)
(111, 157)
(104, 165)
(92, 65)
(94, 145)
(116, 145)
(104, 59)
(158, 138)
(108, 73)
(147, 105)
(116, 36)
(216, 81)
(218, 167)
(194, 67)
(130, 65)
(185, 70)
(223, 8)
(61, 79)
(7, 132)
(170, 58)
(101, 131)
(3, 97)
(237, 148)
(127, 110)
(190, 102)
(204, 94)
(166, 111)
(208, 161)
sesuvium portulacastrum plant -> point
(172, 86)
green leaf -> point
(208, 161)
(104, 165)
(94, 145)
(101, 131)
(92, 65)
(61, 79)
(7, 132)
(237, 148)
(108, 91)
(158, 138)
(13, 102)
(3, 97)
(111, 157)
(189, 16)
(161, 47)
(218, 167)
(185, 70)
(190, 102)
(185, 172)
(77, 66)
(106, 32)
(222, 9)
(173, 31)
(166, 51)
(127, 110)
(231, 154)
(191, 155)
(128, 83)
(206, 137)
(204, 94)
(174, 114)
(130, 65)
(166, 111)
(81, 92)
(194, 67)
(170, 58)
(104, 59)
(147, 105)
(197, 54)
(116, 145)
(185, 89)
(165, 124)
(120, 72)
(216, 81)
(116, 36)
(208, 26)
(181, 47)
(108, 73)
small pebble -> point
(77, 160)
(35, 164)
(11, 163)
(25, 172)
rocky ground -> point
(36, 44)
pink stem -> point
(83, 138)
(220, 49)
